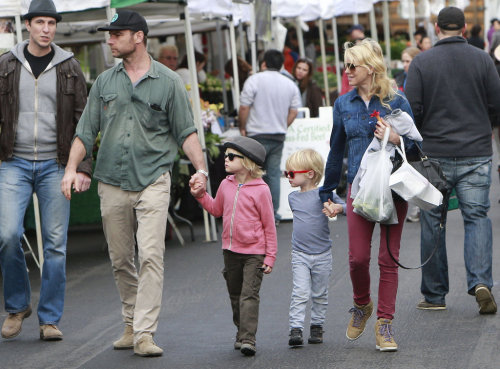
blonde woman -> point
(353, 126)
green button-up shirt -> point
(141, 127)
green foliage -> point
(397, 47)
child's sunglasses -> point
(231, 156)
(291, 173)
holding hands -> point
(331, 209)
(198, 185)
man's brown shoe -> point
(13, 323)
(145, 346)
(127, 339)
(50, 332)
(485, 300)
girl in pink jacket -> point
(249, 234)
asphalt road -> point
(196, 330)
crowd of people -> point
(142, 111)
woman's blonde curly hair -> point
(368, 53)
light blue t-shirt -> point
(311, 234)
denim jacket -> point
(352, 125)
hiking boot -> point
(425, 305)
(12, 324)
(295, 337)
(50, 332)
(384, 336)
(126, 341)
(248, 349)
(357, 324)
(145, 346)
(316, 334)
(485, 300)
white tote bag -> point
(413, 187)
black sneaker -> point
(248, 349)
(316, 334)
(295, 337)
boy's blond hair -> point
(248, 164)
(307, 159)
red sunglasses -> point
(291, 173)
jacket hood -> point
(60, 54)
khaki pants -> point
(143, 214)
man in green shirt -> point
(143, 113)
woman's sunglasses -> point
(352, 67)
(291, 173)
(231, 156)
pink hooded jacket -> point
(248, 217)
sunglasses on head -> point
(231, 156)
(351, 66)
(291, 173)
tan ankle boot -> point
(50, 332)
(13, 323)
(127, 339)
(145, 346)
(384, 336)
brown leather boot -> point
(50, 332)
(13, 323)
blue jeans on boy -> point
(19, 178)
(274, 149)
(311, 277)
(471, 178)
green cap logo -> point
(115, 17)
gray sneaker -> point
(425, 305)
(485, 300)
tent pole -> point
(195, 98)
(355, 18)
(373, 24)
(337, 54)
(300, 37)
(236, 77)
(19, 30)
(218, 34)
(411, 22)
(323, 61)
(387, 35)
(241, 33)
(251, 37)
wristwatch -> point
(204, 172)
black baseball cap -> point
(127, 19)
(358, 27)
(451, 18)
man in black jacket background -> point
(450, 88)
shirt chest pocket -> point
(152, 115)
(358, 124)
(6, 81)
(108, 103)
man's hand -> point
(84, 180)
(197, 188)
(198, 184)
(70, 180)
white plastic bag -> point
(374, 198)
(412, 186)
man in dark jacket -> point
(450, 88)
(42, 95)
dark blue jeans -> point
(19, 178)
(471, 178)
